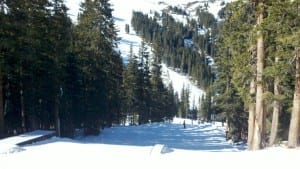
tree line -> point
(257, 85)
(55, 74)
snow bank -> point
(10, 149)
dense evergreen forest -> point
(59, 75)
(55, 74)
(258, 71)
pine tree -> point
(71, 100)
(293, 139)
(294, 128)
(185, 103)
(131, 82)
(203, 109)
(60, 41)
(158, 89)
(235, 66)
(259, 125)
(127, 29)
(275, 68)
(172, 102)
(182, 101)
(114, 66)
(95, 42)
(145, 84)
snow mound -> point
(160, 149)
(10, 149)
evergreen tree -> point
(185, 104)
(172, 102)
(182, 106)
(203, 109)
(59, 43)
(293, 139)
(259, 121)
(127, 29)
(290, 38)
(95, 42)
(206, 106)
(158, 90)
(131, 82)
(114, 66)
(71, 97)
(145, 83)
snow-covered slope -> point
(146, 5)
(179, 81)
(123, 13)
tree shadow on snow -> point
(193, 137)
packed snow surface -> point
(156, 145)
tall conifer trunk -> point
(1, 108)
(22, 102)
(295, 118)
(251, 117)
(56, 114)
(259, 108)
(276, 110)
(1, 86)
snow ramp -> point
(12, 144)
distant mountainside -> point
(188, 6)
(180, 10)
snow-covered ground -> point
(156, 145)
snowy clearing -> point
(156, 145)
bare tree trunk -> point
(251, 115)
(57, 120)
(276, 110)
(1, 108)
(259, 108)
(295, 118)
(22, 102)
